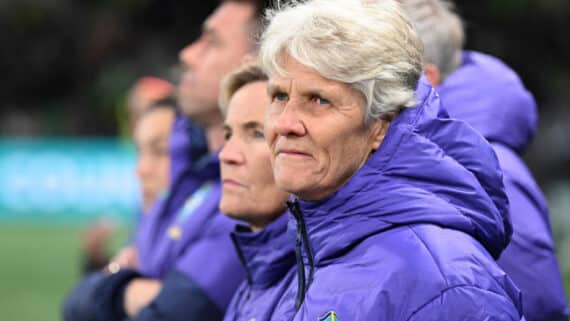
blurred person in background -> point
(152, 165)
(489, 95)
(144, 93)
(399, 210)
(95, 243)
(188, 268)
(151, 137)
(152, 140)
(249, 194)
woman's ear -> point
(433, 74)
(378, 131)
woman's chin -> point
(231, 206)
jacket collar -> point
(268, 254)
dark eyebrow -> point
(157, 141)
(245, 126)
(252, 125)
(154, 142)
(314, 92)
(208, 31)
(273, 88)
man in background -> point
(188, 269)
(151, 136)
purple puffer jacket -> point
(490, 97)
(269, 259)
(413, 234)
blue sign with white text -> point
(67, 179)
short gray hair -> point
(368, 44)
(440, 30)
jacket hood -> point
(429, 169)
(490, 96)
(267, 255)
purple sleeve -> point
(212, 263)
(530, 259)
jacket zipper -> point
(243, 297)
(301, 241)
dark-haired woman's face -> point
(152, 133)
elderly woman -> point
(249, 194)
(399, 210)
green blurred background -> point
(39, 265)
(66, 66)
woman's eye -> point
(322, 101)
(280, 96)
(162, 151)
(258, 134)
(211, 41)
(227, 136)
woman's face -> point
(316, 133)
(152, 134)
(249, 192)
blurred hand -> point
(127, 258)
(94, 242)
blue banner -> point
(67, 179)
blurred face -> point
(152, 134)
(222, 47)
(249, 192)
(316, 133)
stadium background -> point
(65, 158)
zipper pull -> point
(300, 264)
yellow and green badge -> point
(330, 316)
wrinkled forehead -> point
(285, 67)
(288, 67)
(294, 73)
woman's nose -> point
(144, 167)
(231, 153)
(289, 122)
